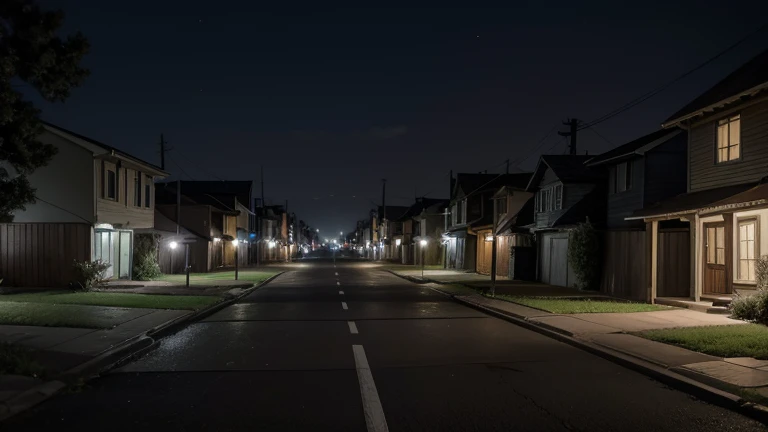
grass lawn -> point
(254, 276)
(110, 299)
(51, 315)
(745, 340)
(574, 306)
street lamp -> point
(234, 243)
(423, 246)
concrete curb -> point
(669, 377)
(118, 355)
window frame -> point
(557, 201)
(110, 188)
(747, 220)
(137, 189)
(728, 120)
(148, 192)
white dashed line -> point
(374, 413)
(341, 292)
(338, 283)
(344, 305)
(352, 327)
(337, 274)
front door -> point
(714, 259)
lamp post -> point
(234, 243)
(423, 246)
(186, 261)
(173, 245)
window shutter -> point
(117, 182)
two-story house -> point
(465, 207)
(567, 193)
(726, 199)
(640, 173)
(425, 230)
(89, 199)
(483, 225)
(389, 228)
(515, 251)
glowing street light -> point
(173, 245)
(423, 246)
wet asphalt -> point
(282, 360)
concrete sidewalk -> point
(611, 332)
(60, 350)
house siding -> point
(64, 186)
(621, 204)
(664, 173)
(122, 212)
(705, 174)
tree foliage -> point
(584, 255)
(145, 265)
(32, 57)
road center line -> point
(352, 327)
(341, 292)
(338, 283)
(337, 274)
(374, 413)
(344, 305)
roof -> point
(744, 81)
(567, 168)
(419, 206)
(393, 212)
(591, 206)
(689, 202)
(636, 147)
(53, 128)
(524, 217)
(473, 183)
(756, 195)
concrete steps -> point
(712, 307)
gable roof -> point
(75, 138)
(219, 190)
(567, 168)
(393, 212)
(637, 147)
(417, 207)
(747, 80)
(474, 183)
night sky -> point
(331, 101)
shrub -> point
(751, 307)
(584, 255)
(90, 273)
(761, 272)
(145, 266)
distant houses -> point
(681, 213)
(93, 201)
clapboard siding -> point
(665, 173)
(623, 204)
(705, 174)
(42, 254)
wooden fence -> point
(624, 272)
(674, 273)
(42, 254)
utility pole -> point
(384, 207)
(162, 152)
(263, 204)
(574, 124)
(178, 206)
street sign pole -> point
(186, 261)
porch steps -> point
(712, 307)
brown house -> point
(726, 204)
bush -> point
(584, 255)
(145, 266)
(761, 272)
(752, 308)
(90, 273)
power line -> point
(592, 128)
(182, 169)
(62, 209)
(663, 87)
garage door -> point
(554, 260)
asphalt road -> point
(283, 360)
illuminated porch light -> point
(173, 245)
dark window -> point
(629, 176)
(137, 190)
(147, 190)
(558, 197)
(111, 184)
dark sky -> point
(331, 101)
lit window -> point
(716, 245)
(747, 249)
(729, 139)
